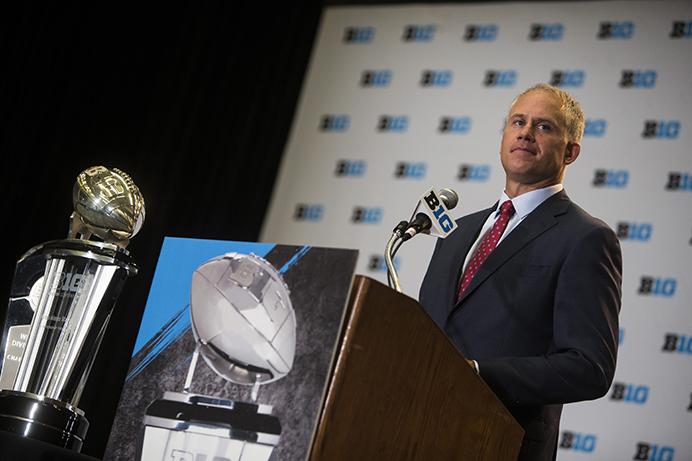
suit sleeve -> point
(581, 362)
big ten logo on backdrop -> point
(568, 78)
(677, 342)
(661, 129)
(418, 33)
(392, 123)
(376, 78)
(350, 168)
(410, 170)
(585, 443)
(623, 30)
(480, 33)
(681, 29)
(436, 78)
(646, 451)
(454, 125)
(679, 181)
(621, 336)
(473, 173)
(629, 393)
(308, 212)
(377, 263)
(500, 78)
(639, 232)
(366, 215)
(595, 127)
(359, 34)
(638, 78)
(548, 31)
(657, 286)
(617, 179)
(334, 122)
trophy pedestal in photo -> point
(52, 357)
(181, 426)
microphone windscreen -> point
(449, 197)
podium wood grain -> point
(401, 391)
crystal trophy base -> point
(189, 427)
(42, 418)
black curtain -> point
(194, 100)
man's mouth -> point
(523, 149)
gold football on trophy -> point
(108, 204)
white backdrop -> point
(399, 99)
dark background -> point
(194, 100)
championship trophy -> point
(63, 294)
(244, 327)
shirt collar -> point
(529, 201)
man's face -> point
(534, 149)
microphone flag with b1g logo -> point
(431, 215)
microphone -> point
(431, 215)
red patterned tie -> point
(487, 245)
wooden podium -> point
(401, 391)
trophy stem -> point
(191, 371)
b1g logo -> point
(308, 212)
(439, 212)
(376, 263)
(418, 33)
(634, 231)
(630, 393)
(553, 32)
(652, 452)
(334, 123)
(365, 215)
(673, 342)
(350, 168)
(681, 29)
(657, 286)
(595, 128)
(638, 79)
(375, 78)
(568, 78)
(679, 181)
(481, 33)
(455, 125)
(503, 78)
(410, 170)
(661, 129)
(181, 455)
(476, 173)
(392, 123)
(436, 78)
(621, 336)
(359, 34)
(578, 442)
(618, 30)
(611, 178)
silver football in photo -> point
(108, 203)
(243, 319)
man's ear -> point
(571, 152)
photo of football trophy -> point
(244, 327)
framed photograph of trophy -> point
(234, 351)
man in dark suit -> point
(530, 290)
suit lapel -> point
(540, 220)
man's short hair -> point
(574, 116)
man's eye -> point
(518, 122)
(545, 127)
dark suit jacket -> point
(540, 316)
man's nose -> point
(526, 133)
